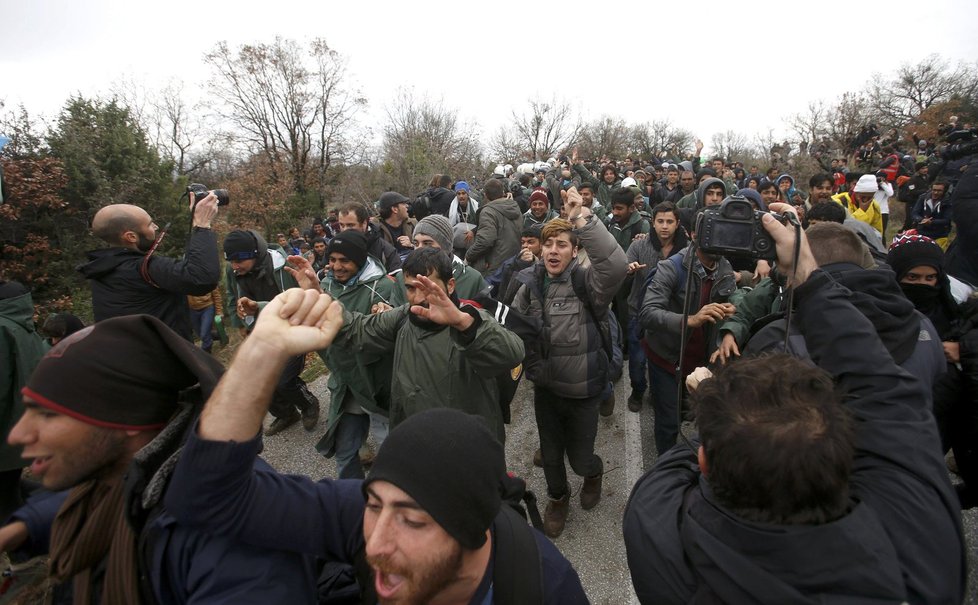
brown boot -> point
(538, 458)
(555, 516)
(591, 492)
(608, 405)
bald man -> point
(127, 278)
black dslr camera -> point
(201, 191)
(734, 229)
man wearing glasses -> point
(128, 278)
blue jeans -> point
(636, 357)
(379, 427)
(202, 322)
(666, 407)
(350, 435)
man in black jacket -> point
(796, 494)
(128, 278)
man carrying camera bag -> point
(129, 279)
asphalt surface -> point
(592, 540)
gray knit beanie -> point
(437, 228)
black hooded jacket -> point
(118, 287)
(901, 540)
(877, 295)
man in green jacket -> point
(446, 355)
(359, 383)
(21, 347)
(259, 276)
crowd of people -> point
(824, 388)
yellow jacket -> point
(202, 302)
(872, 215)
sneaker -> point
(280, 424)
(635, 401)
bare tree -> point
(660, 138)
(810, 125)
(730, 145)
(605, 137)
(848, 115)
(289, 105)
(544, 129)
(914, 88)
(423, 137)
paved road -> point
(592, 539)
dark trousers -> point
(636, 357)
(666, 407)
(566, 426)
(291, 395)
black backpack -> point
(421, 206)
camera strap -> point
(144, 266)
(680, 379)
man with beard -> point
(129, 278)
(317, 256)
(427, 525)
(111, 445)
(258, 276)
(432, 336)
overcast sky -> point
(706, 66)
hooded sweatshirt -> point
(498, 235)
(21, 348)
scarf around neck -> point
(93, 545)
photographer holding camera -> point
(128, 278)
(808, 484)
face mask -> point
(922, 296)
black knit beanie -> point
(451, 465)
(122, 373)
(239, 241)
(351, 244)
(909, 251)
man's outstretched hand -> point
(440, 309)
(298, 321)
(303, 273)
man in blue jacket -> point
(809, 484)
(428, 524)
(110, 447)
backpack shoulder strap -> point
(598, 315)
(517, 576)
